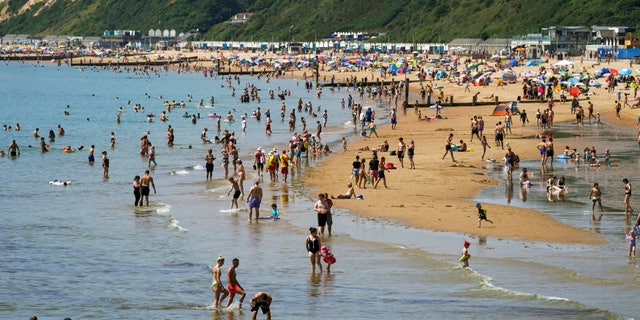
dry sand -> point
(436, 194)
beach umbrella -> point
(574, 91)
(572, 81)
(594, 83)
(625, 72)
(613, 71)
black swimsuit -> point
(312, 245)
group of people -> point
(260, 301)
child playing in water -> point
(274, 212)
(465, 254)
(328, 257)
(631, 236)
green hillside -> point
(285, 20)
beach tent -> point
(564, 63)
(501, 110)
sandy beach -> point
(436, 194)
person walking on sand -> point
(485, 145)
(233, 285)
(482, 214)
(254, 198)
(313, 244)
(216, 284)
(262, 301)
(627, 198)
(595, 195)
(145, 182)
(447, 147)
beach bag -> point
(392, 153)
(389, 166)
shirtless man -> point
(145, 181)
(402, 147)
(236, 192)
(208, 158)
(261, 300)
(14, 150)
(595, 195)
(499, 135)
(233, 285)
(254, 198)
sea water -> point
(84, 250)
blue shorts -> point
(254, 203)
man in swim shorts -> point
(595, 197)
(209, 158)
(236, 192)
(145, 181)
(232, 283)
(261, 300)
(401, 148)
(254, 198)
(14, 150)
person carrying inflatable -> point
(327, 257)
(465, 254)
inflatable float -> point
(229, 120)
(213, 115)
(563, 157)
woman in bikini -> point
(216, 284)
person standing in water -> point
(209, 158)
(313, 244)
(595, 195)
(145, 181)
(233, 285)
(627, 198)
(254, 198)
(136, 190)
(465, 254)
(91, 157)
(261, 300)
(105, 164)
(216, 284)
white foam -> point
(234, 210)
(234, 306)
(198, 167)
(173, 223)
(179, 172)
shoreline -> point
(451, 210)
(442, 203)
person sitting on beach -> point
(384, 147)
(462, 147)
(347, 195)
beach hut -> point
(501, 110)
